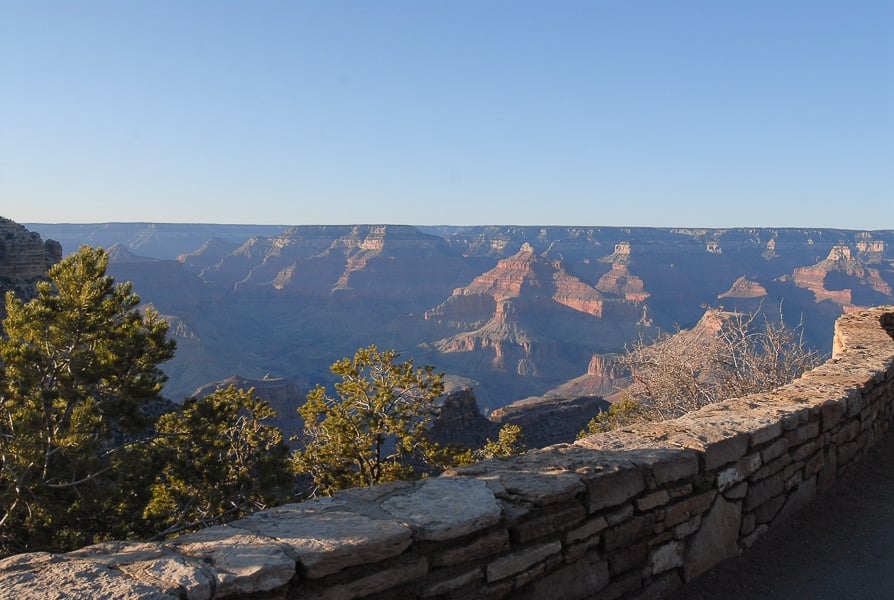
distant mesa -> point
(744, 288)
(499, 311)
(621, 255)
(836, 278)
(119, 253)
(210, 253)
(524, 276)
(620, 282)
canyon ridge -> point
(529, 318)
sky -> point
(715, 113)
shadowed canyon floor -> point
(839, 547)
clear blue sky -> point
(714, 113)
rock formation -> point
(744, 288)
(550, 420)
(25, 259)
(460, 422)
(294, 300)
(387, 263)
(604, 378)
(620, 282)
(844, 273)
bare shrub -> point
(726, 355)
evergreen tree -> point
(375, 429)
(80, 364)
(217, 460)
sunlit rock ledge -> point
(633, 512)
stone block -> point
(848, 432)
(748, 524)
(490, 544)
(668, 466)
(547, 522)
(762, 491)
(716, 539)
(650, 501)
(403, 573)
(744, 467)
(774, 450)
(815, 463)
(792, 480)
(619, 515)
(443, 508)
(242, 563)
(517, 562)
(688, 528)
(797, 499)
(688, 508)
(766, 511)
(153, 564)
(586, 530)
(805, 433)
(679, 491)
(803, 451)
(576, 551)
(526, 577)
(61, 576)
(625, 534)
(771, 468)
(832, 411)
(854, 406)
(328, 539)
(762, 435)
(736, 492)
(543, 484)
(829, 471)
(666, 557)
(582, 579)
(614, 487)
(749, 540)
(846, 452)
(718, 445)
(630, 557)
(467, 579)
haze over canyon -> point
(513, 312)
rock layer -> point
(297, 299)
(25, 259)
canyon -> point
(530, 315)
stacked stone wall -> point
(628, 514)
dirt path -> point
(839, 547)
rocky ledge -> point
(24, 259)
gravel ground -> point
(840, 547)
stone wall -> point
(629, 514)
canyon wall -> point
(514, 312)
(631, 513)
(24, 260)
